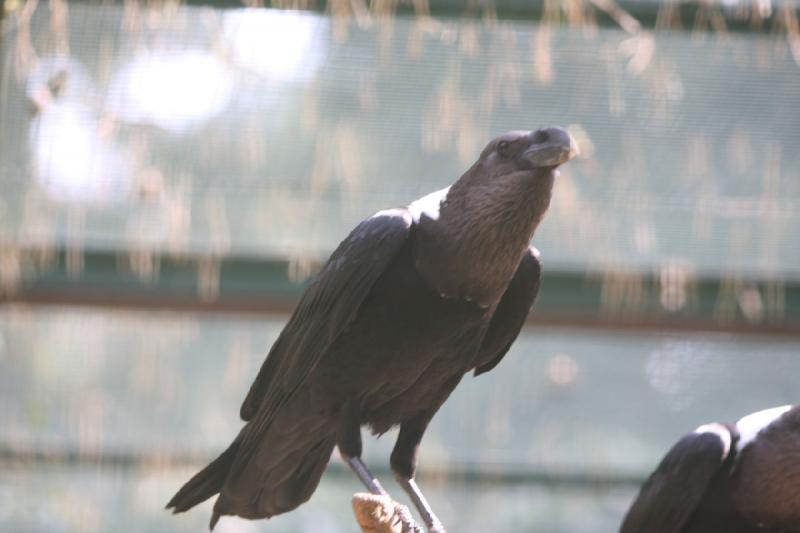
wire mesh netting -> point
(137, 136)
(124, 404)
(190, 129)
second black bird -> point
(412, 300)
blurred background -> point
(171, 174)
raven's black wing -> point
(672, 493)
(511, 312)
(328, 305)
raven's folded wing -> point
(675, 489)
(328, 305)
(511, 312)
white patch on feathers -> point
(428, 205)
(720, 431)
(394, 212)
(750, 426)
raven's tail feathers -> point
(281, 481)
(205, 483)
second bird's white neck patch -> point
(721, 432)
(750, 425)
(428, 205)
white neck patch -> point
(428, 205)
(720, 431)
(752, 424)
(394, 212)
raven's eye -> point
(502, 147)
(540, 136)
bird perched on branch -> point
(412, 300)
(741, 478)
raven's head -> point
(515, 173)
(535, 152)
(475, 232)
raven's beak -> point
(550, 147)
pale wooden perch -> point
(381, 514)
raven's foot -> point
(405, 517)
(418, 499)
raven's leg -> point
(363, 473)
(349, 442)
(404, 464)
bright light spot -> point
(280, 45)
(72, 160)
(175, 91)
(677, 370)
(562, 369)
(669, 368)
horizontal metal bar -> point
(606, 300)
(690, 15)
(686, 14)
(480, 474)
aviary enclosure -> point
(172, 174)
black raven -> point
(741, 478)
(410, 301)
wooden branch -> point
(381, 514)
